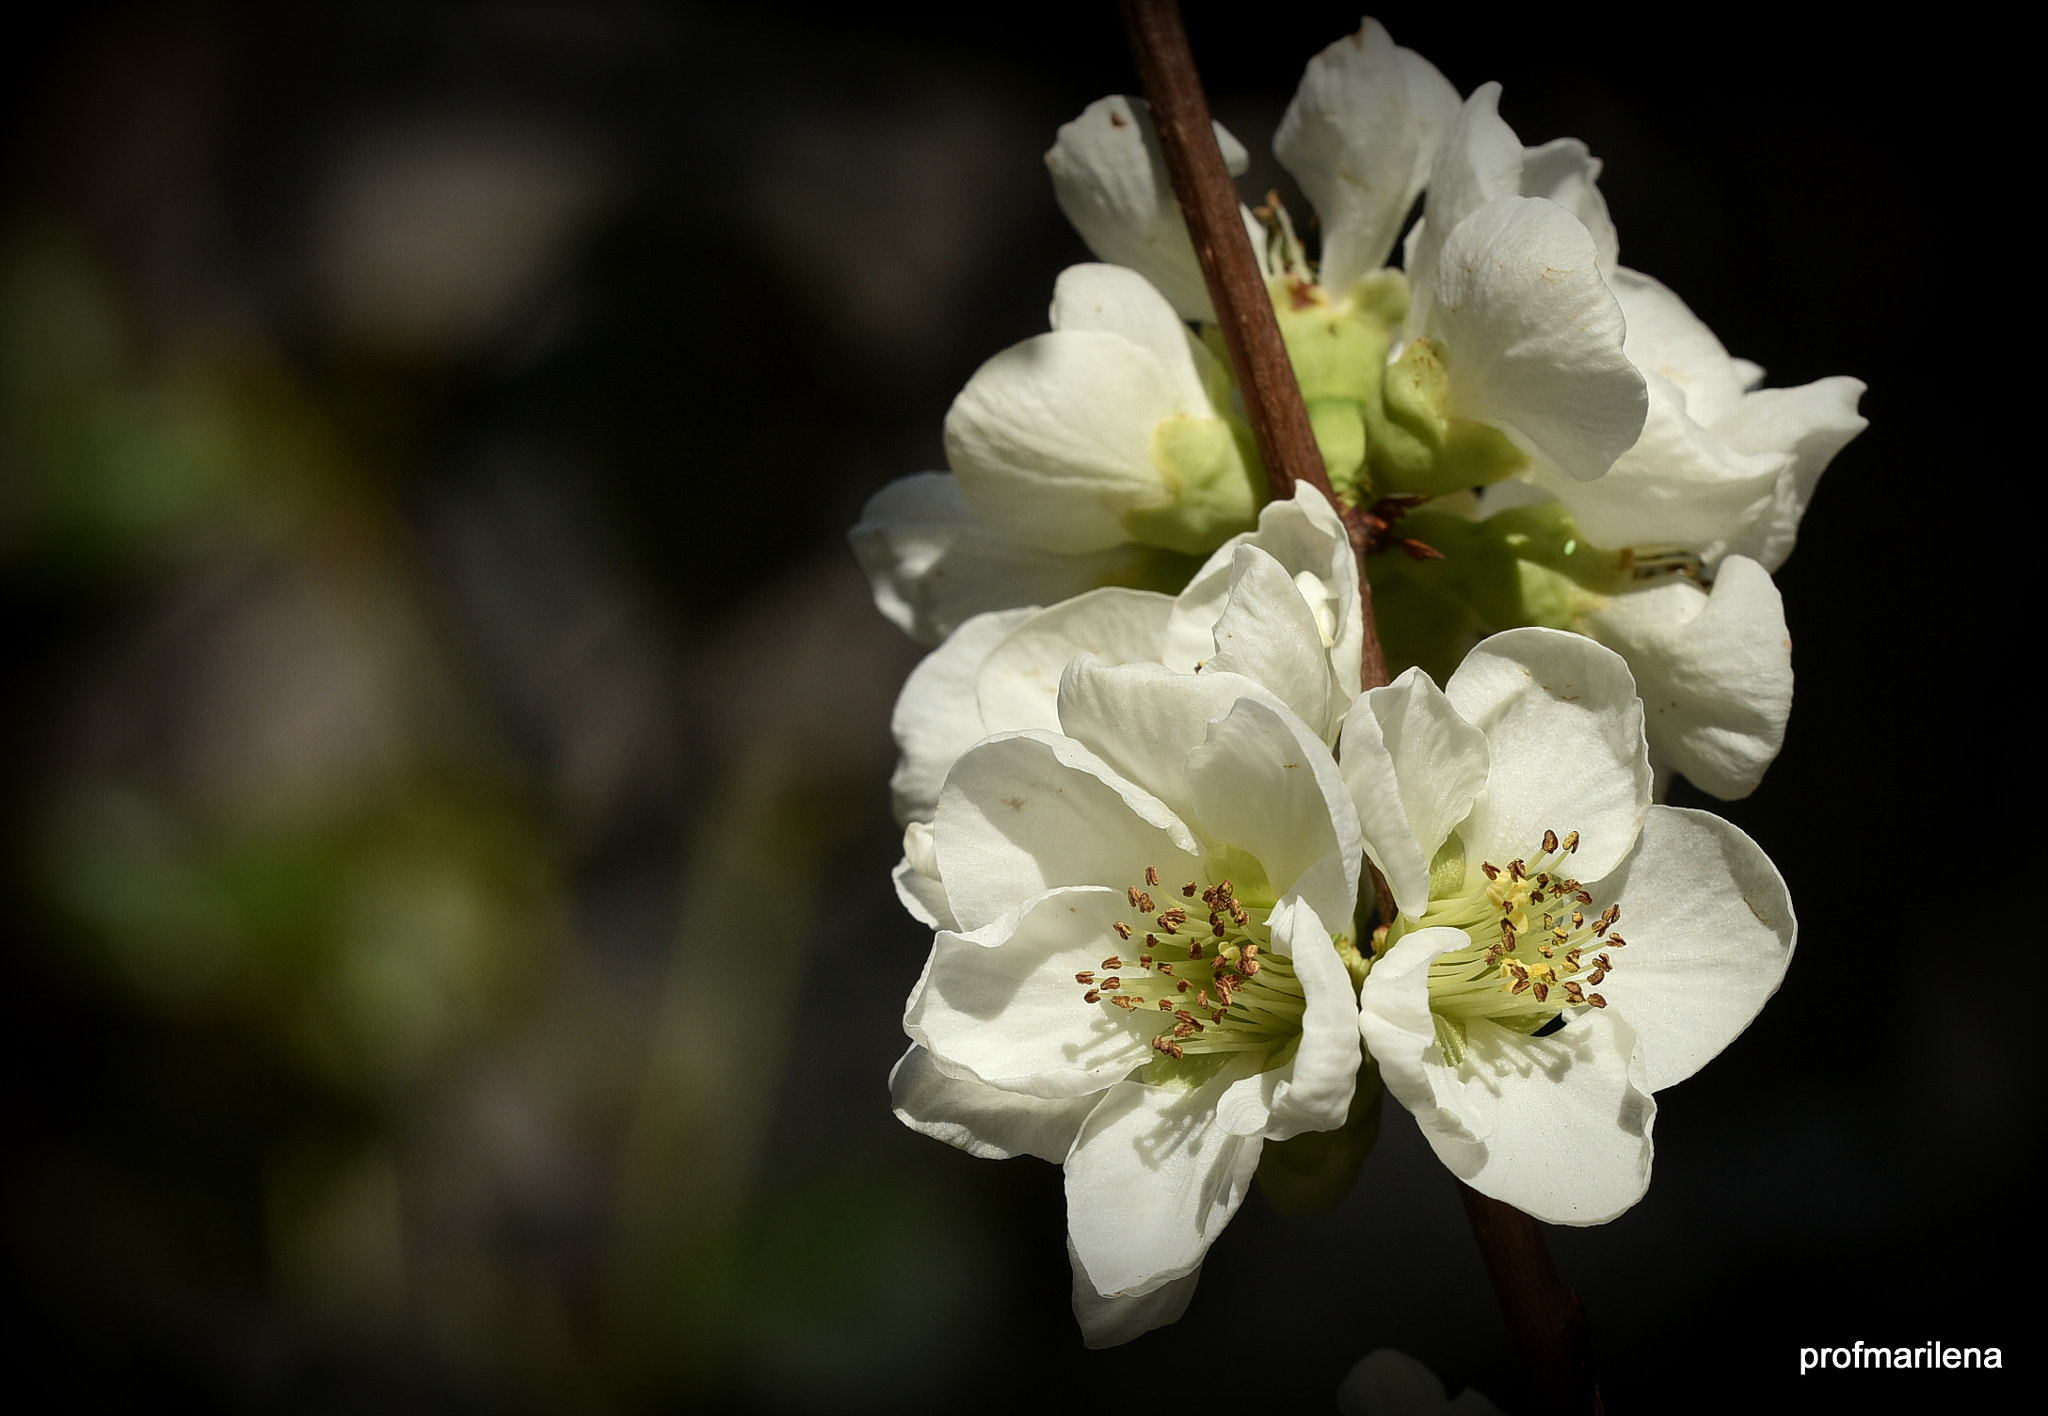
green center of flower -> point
(1535, 953)
(1214, 984)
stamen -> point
(1151, 875)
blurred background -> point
(450, 958)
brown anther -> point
(1085, 976)
(1240, 913)
(1188, 889)
(1582, 897)
(1152, 941)
(1144, 961)
(1542, 992)
(1227, 888)
(1615, 941)
(1251, 950)
(1093, 995)
(1560, 935)
(1181, 987)
(1492, 870)
(1126, 1003)
(1575, 993)
(1597, 977)
(1518, 870)
(1603, 961)
(1175, 1051)
(1217, 1016)
(1219, 929)
(1123, 931)
(1195, 949)
(1151, 876)
(1507, 939)
(1185, 1029)
(1146, 903)
(1176, 914)
(1202, 999)
(1596, 1000)
(1166, 969)
(1114, 961)
(1571, 842)
(1184, 1015)
(1549, 841)
(1250, 967)
(1546, 950)
(1112, 982)
(1578, 919)
(1166, 1005)
(1520, 985)
(1132, 895)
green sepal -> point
(1311, 1173)
(1213, 494)
(1418, 446)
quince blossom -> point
(1510, 814)
(1136, 967)
(1279, 604)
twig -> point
(1547, 1320)
(1258, 356)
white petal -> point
(1111, 1322)
(1312, 1092)
(1151, 1182)
(1564, 736)
(1025, 812)
(1394, 1018)
(933, 564)
(1414, 768)
(1564, 171)
(1666, 337)
(1003, 1008)
(1116, 300)
(1305, 535)
(1265, 784)
(1810, 424)
(984, 1122)
(1479, 159)
(923, 896)
(1019, 682)
(1359, 137)
(1679, 485)
(1715, 673)
(1052, 438)
(1710, 932)
(1268, 633)
(1568, 1118)
(1110, 179)
(936, 716)
(1144, 720)
(1533, 339)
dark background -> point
(450, 958)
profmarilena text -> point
(1927, 1356)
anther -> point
(1151, 876)
(1219, 929)
(1217, 1016)
(1132, 895)
(1571, 844)
(1085, 976)
(1518, 870)
(1195, 949)
(1582, 897)
(1129, 1005)
(1146, 904)
(1181, 987)
(1114, 961)
(1492, 870)
(1202, 998)
(1112, 982)
(1188, 889)
(1123, 931)
(1578, 919)
(1615, 941)
(1549, 841)
(1144, 961)
(1166, 1005)
(1596, 1000)
(1542, 992)
(1093, 995)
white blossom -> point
(1136, 966)
(1564, 948)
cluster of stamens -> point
(1536, 951)
(1219, 984)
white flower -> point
(1134, 972)
(1279, 605)
(1564, 948)
(1070, 452)
(1390, 1383)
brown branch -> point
(1547, 1320)
(1244, 312)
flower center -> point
(1214, 986)
(1535, 951)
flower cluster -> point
(1139, 778)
